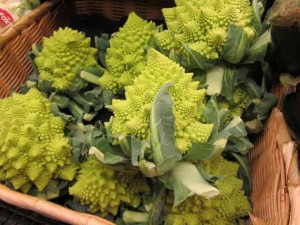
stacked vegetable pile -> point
(150, 127)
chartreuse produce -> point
(181, 110)
(125, 58)
(63, 54)
(238, 103)
(204, 24)
(223, 209)
(132, 115)
(104, 189)
(59, 61)
(33, 147)
(210, 29)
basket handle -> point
(49, 209)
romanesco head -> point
(63, 54)
(32, 143)
(132, 116)
(203, 25)
(223, 209)
(238, 103)
(104, 189)
(125, 57)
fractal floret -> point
(224, 209)
(238, 103)
(203, 25)
(125, 57)
(104, 189)
(63, 54)
(32, 143)
(132, 116)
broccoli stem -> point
(91, 78)
(61, 101)
(89, 116)
(135, 217)
(125, 145)
(75, 110)
(82, 101)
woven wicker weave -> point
(271, 165)
(269, 193)
(117, 9)
(275, 173)
(16, 42)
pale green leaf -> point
(162, 127)
(228, 82)
(197, 60)
(242, 160)
(236, 45)
(236, 127)
(137, 147)
(258, 50)
(257, 10)
(214, 79)
(188, 175)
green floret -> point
(125, 57)
(32, 144)
(223, 209)
(104, 189)
(238, 103)
(203, 25)
(132, 116)
(63, 54)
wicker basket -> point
(273, 160)
(117, 9)
(275, 172)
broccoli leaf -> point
(206, 151)
(257, 10)
(236, 127)
(242, 160)
(162, 130)
(194, 182)
(137, 146)
(263, 106)
(215, 116)
(236, 45)
(214, 79)
(228, 82)
(239, 145)
(197, 60)
(253, 89)
(199, 151)
(258, 50)
(102, 43)
(156, 214)
(231, 136)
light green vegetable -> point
(223, 209)
(104, 190)
(63, 54)
(33, 147)
(205, 26)
(132, 116)
(125, 58)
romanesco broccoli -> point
(132, 116)
(33, 147)
(104, 189)
(203, 25)
(238, 103)
(224, 209)
(63, 54)
(125, 57)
